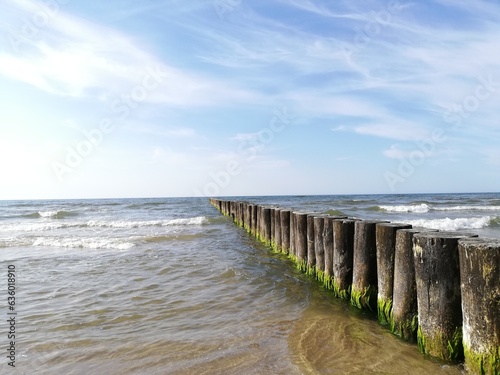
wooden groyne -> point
(439, 289)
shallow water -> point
(171, 287)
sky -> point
(165, 98)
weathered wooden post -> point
(328, 251)
(255, 220)
(480, 287)
(404, 304)
(277, 230)
(292, 253)
(343, 254)
(258, 221)
(285, 231)
(273, 227)
(437, 275)
(266, 225)
(386, 250)
(301, 245)
(319, 247)
(364, 278)
(311, 251)
(248, 216)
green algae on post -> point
(319, 247)
(343, 248)
(301, 233)
(328, 252)
(386, 249)
(364, 277)
(480, 285)
(311, 253)
(404, 300)
(437, 274)
(364, 299)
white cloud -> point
(404, 130)
(75, 57)
(394, 152)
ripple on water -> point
(323, 343)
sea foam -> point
(448, 224)
(417, 208)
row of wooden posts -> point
(441, 289)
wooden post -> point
(328, 250)
(255, 220)
(319, 247)
(292, 253)
(404, 305)
(364, 278)
(277, 230)
(285, 231)
(311, 251)
(437, 275)
(480, 286)
(266, 225)
(301, 245)
(386, 250)
(273, 227)
(343, 253)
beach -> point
(169, 286)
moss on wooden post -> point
(386, 249)
(480, 286)
(301, 244)
(328, 252)
(364, 278)
(437, 275)
(343, 253)
(404, 304)
(319, 248)
(311, 252)
(285, 231)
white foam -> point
(48, 214)
(200, 220)
(417, 208)
(38, 227)
(448, 224)
(468, 208)
(148, 223)
(88, 243)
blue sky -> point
(237, 97)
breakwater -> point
(440, 289)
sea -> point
(170, 286)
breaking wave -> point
(417, 208)
(448, 224)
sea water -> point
(169, 286)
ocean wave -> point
(495, 221)
(467, 208)
(87, 243)
(200, 220)
(124, 224)
(448, 224)
(417, 208)
(52, 214)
